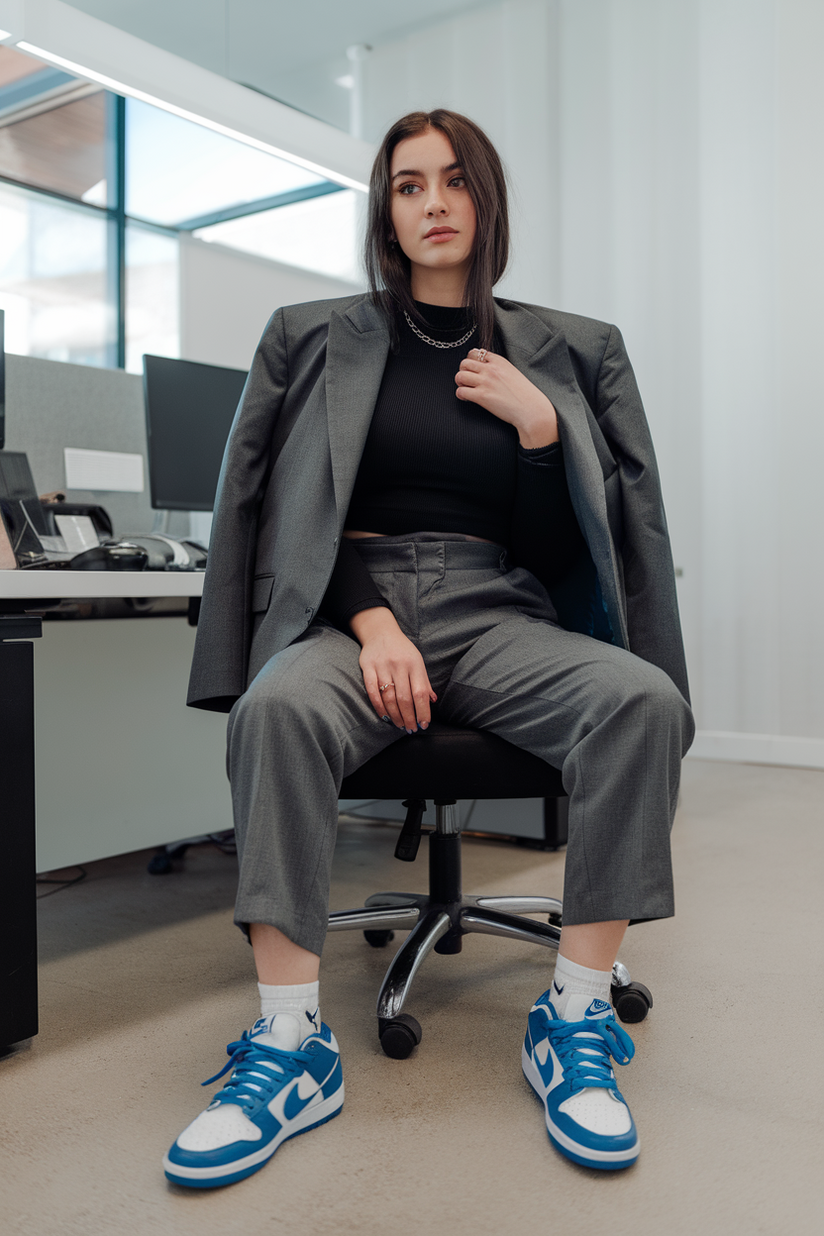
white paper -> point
(53, 544)
(105, 470)
(77, 531)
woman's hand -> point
(493, 383)
(389, 660)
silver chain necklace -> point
(439, 343)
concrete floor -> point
(143, 981)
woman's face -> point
(433, 216)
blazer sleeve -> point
(221, 656)
(649, 578)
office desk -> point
(107, 781)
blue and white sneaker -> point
(271, 1095)
(567, 1064)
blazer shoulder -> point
(311, 315)
(585, 336)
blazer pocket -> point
(261, 593)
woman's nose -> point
(435, 204)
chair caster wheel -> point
(161, 864)
(632, 1002)
(378, 939)
(400, 1036)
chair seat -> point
(444, 762)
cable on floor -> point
(61, 883)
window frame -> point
(118, 220)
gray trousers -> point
(615, 725)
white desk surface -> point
(71, 585)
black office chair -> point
(446, 764)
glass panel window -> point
(152, 297)
(53, 279)
(63, 149)
(320, 234)
(177, 170)
(14, 67)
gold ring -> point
(385, 685)
(482, 354)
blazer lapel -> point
(543, 356)
(356, 352)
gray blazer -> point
(293, 454)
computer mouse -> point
(120, 557)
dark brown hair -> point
(388, 267)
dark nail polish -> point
(388, 720)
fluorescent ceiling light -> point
(121, 88)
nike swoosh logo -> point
(294, 1104)
(597, 1008)
(547, 1066)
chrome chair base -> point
(440, 919)
(433, 923)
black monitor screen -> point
(189, 412)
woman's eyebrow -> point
(409, 171)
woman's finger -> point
(375, 696)
(404, 702)
(390, 704)
(468, 377)
(411, 706)
(422, 697)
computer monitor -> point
(189, 412)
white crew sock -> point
(292, 1011)
(573, 980)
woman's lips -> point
(439, 237)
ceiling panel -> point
(281, 37)
(292, 51)
(194, 29)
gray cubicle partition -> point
(51, 405)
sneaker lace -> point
(257, 1071)
(584, 1049)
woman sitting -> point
(435, 500)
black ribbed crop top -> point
(433, 462)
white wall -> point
(227, 297)
(499, 65)
(666, 159)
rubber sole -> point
(601, 1160)
(230, 1173)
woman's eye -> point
(458, 182)
(407, 189)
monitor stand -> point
(161, 522)
(200, 526)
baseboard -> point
(758, 749)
